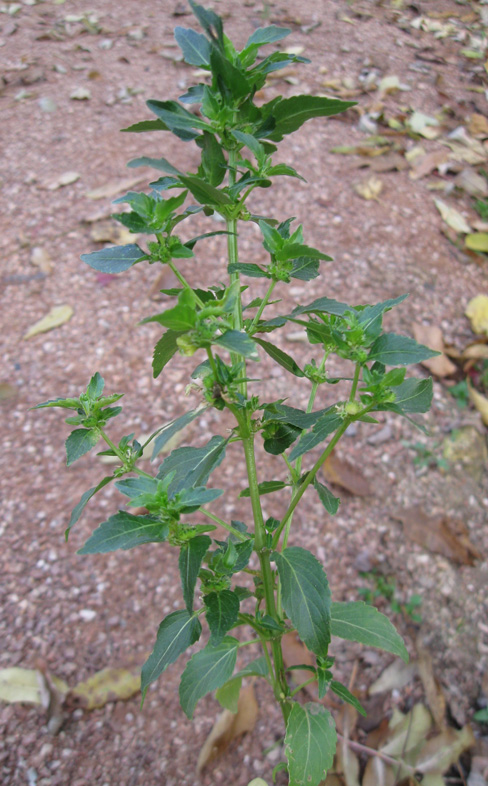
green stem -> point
(185, 283)
(233, 258)
(251, 641)
(303, 685)
(355, 381)
(211, 360)
(263, 305)
(113, 446)
(224, 524)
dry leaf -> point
(395, 676)
(378, 773)
(407, 731)
(389, 84)
(369, 189)
(433, 690)
(388, 163)
(53, 693)
(478, 241)
(257, 782)
(479, 401)
(294, 654)
(109, 232)
(423, 165)
(347, 763)
(471, 182)
(57, 316)
(41, 259)
(113, 188)
(475, 352)
(106, 685)
(342, 473)
(439, 753)
(228, 726)
(440, 534)
(478, 126)
(64, 179)
(424, 125)
(23, 685)
(431, 336)
(477, 313)
(452, 217)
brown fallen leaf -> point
(475, 352)
(440, 534)
(478, 126)
(378, 773)
(423, 165)
(439, 753)
(395, 676)
(479, 401)
(113, 188)
(104, 686)
(53, 693)
(342, 473)
(390, 162)
(370, 189)
(295, 653)
(228, 726)
(473, 183)
(431, 336)
(57, 316)
(432, 687)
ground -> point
(74, 73)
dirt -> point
(123, 54)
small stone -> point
(383, 435)
(80, 94)
(87, 615)
(47, 105)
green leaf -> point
(266, 35)
(156, 163)
(305, 269)
(95, 386)
(207, 670)
(279, 436)
(266, 487)
(79, 442)
(298, 250)
(178, 120)
(64, 403)
(357, 621)
(114, 259)
(228, 695)
(193, 466)
(181, 318)
(281, 413)
(310, 744)
(195, 47)
(394, 350)
(290, 113)
(284, 169)
(306, 596)
(326, 425)
(247, 269)
(146, 125)
(244, 551)
(221, 614)
(414, 395)
(327, 498)
(204, 192)
(125, 531)
(164, 351)
(346, 695)
(168, 431)
(280, 357)
(178, 631)
(214, 165)
(189, 563)
(229, 75)
(322, 305)
(239, 342)
(85, 498)
(210, 21)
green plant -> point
(385, 587)
(426, 457)
(237, 140)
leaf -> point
(432, 687)
(65, 179)
(125, 531)
(247, 269)
(85, 498)
(290, 113)
(164, 351)
(284, 360)
(370, 188)
(306, 596)
(357, 621)
(177, 119)
(178, 631)
(440, 534)
(106, 685)
(327, 498)
(413, 395)
(305, 269)
(479, 401)
(204, 192)
(146, 125)
(228, 695)
(440, 752)
(266, 487)
(342, 473)
(326, 425)
(206, 671)
(310, 744)
(296, 654)
(395, 350)
(229, 726)
(193, 466)
(189, 563)
(20, 685)
(57, 316)
(431, 336)
(452, 217)
(477, 313)
(156, 163)
(167, 432)
(79, 442)
(114, 259)
(221, 614)
(395, 677)
(266, 35)
(239, 342)
(345, 694)
(195, 47)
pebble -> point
(383, 435)
(87, 615)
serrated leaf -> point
(178, 631)
(281, 413)
(266, 35)
(114, 259)
(189, 563)
(195, 47)
(395, 350)
(164, 351)
(247, 269)
(239, 342)
(156, 163)
(221, 614)
(290, 113)
(177, 119)
(284, 360)
(165, 434)
(413, 395)
(329, 501)
(207, 670)
(306, 596)
(357, 621)
(79, 442)
(305, 269)
(204, 192)
(193, 466)
(85, 498)
(310, 744)
(125, 531)
(326, 425)
(266, 487)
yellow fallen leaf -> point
(106, 685)
(25, 685)
(478, 241)
(389, 84)
(452, 217)
(479, 401)
(370, 189)
(257, 782)
(477, 313)
(57, 316)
